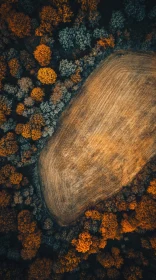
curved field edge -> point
(60, 205)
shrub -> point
(46, 75)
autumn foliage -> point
(93, 214)
(37, 94)
(40, 269)
(2, 70)
(43, 54)
(46, 75)
(32, 129)
(108, 260)
(33, 45)
(68, 262)
(109, 226)
(5, 110)
(8, 144)
(88, 5)
(20, 108)
(146, 213)
(153, 241)
(128, 224)
(83, 243)
(152, 188)
(29, 235)
(5, 198)
(51, 17)
(106, 42)
(14, 67)
(132, 272)
(7, 220)
(19, 24)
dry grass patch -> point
(105, 136)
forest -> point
(47, 51)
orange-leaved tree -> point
(14, 67)
(5, 198)
(7, 220)
(109, 226)
(40, 269)
(8, 145)
(37, 94)
(29, 234)
(146, 213)
(106, 42)
(42, 54)
(2, 70)
(152, 188)
(19, 24)
(68, 262)
(5, 110)
(46, 75)
(83, 242)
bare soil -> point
(104, 138)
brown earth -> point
(105, 136)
